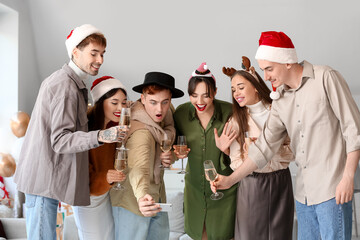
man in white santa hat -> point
(53, 163)
(314, 106)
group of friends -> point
(310, 118)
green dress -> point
(219, 215)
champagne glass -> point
(120, 164)
(247, 141)
(211, 175)
(165, 146)
(125, 120)
(182, 149)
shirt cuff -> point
(139, 194)
(352, 144)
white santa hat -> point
(77, 35)
(103, 85)
(276, 47)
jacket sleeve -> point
(141, 147)
(69, 124)
(168, 126)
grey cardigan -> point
(54, 160)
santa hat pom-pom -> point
(205, 67)
(274, 95)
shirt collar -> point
(308, 73)
(217, 111)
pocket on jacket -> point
(30, 200)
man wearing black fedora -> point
(135, 213)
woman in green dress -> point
(197, 119)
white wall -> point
(9, 21)
(28, 73)
(8, 61)
(176, 36)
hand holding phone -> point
(165, 207)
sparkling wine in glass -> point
(120, 164)
(125, 118)
(211, 175)
(165, 146)
(182, 149)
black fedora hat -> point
(161, 79)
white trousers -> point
(95, 222)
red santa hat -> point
(276, 47)
(77, 35)
(103, 85)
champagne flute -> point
(247, 141)
(165, 146)
(211, 175)
(182, 149)
(120, 164)
(125, 118)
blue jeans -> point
(41, 213)
(129, 226)
(325, 221)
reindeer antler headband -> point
(246, 65)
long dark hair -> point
(96, 114)
(240, 114)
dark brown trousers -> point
(265, 207)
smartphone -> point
(165, 207)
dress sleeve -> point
(235, 150)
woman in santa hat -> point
(196, 120)
(95, 222)
(268, 190)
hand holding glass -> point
(120, 164)
(182, 150)
(165, 146)
(211, 175)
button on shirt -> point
(322, 121)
